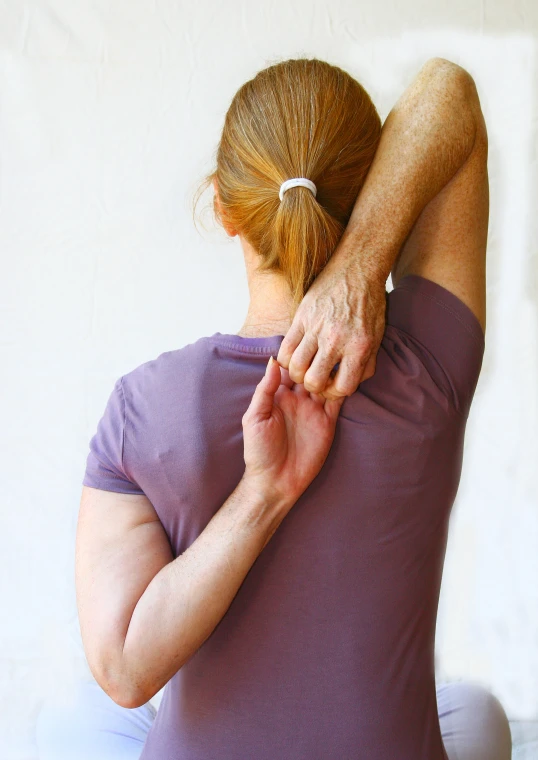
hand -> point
(341, 319)
(287, 434)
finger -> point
(300, 390)
(329, 391)
(369, 370)
(318, 373)
(289, 343)
(285, 378)
(318, 398)
(261, 403)
(348, 375)
(333, 406)
(302, 357)
(352, 370)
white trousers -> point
(473, 726)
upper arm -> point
(447, 244)
(120, 546)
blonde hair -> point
(298, 118)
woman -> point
(272, 554)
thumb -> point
(262, 400)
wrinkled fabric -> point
(327, 650)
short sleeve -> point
(446, 330)
(105, 463)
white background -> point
(110, 114)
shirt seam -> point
(244, 349)
(123, 425)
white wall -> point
(109, 115)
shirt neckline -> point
(268, 344)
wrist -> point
(264, 498)
(361, 261)
(371, 265)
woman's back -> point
(327, 648)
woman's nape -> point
(270, 309)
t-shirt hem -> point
(104, 485)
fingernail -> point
(269, 363)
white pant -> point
(473, 725)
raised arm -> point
(426, 139)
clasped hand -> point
(289, 426)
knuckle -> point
(296, 376)
(313, 384)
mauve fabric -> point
(327, 650)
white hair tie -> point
(297, 182)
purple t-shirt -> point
(327, 650)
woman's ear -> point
(229, 230)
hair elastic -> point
(297, 182)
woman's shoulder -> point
(169, 370)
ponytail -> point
(299, 118)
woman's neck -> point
(266, 315)
(270, 307)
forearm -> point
(185, 601)
(426, 138)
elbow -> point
(122, 689)
(452, 72)
(128, 696)
(444, 66)
(129, 699)
(461, 88)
